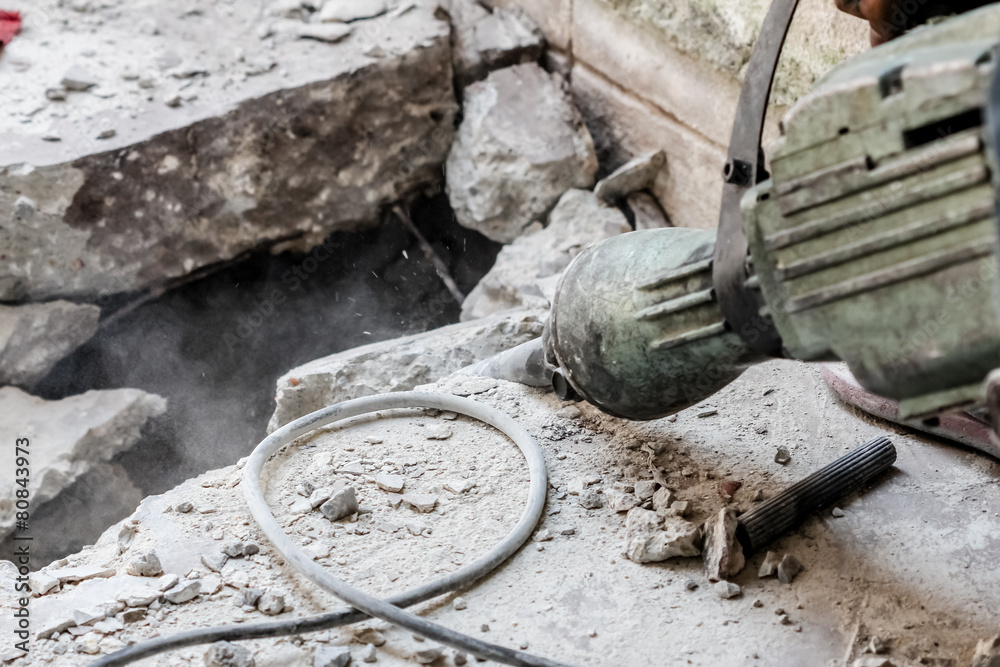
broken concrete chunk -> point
(788, 569)
(504, 173)
(271, 604)
(214, 562)
(184, 591)
(167, 581)
(486, 41)
(391, 483)
(41, 582)
(644, 489)
(770, 565)
(782, 456)
(636, 174)
(144, 564)
(247, 597)
(400, 364)
(987, 653)
(369, 636)
(878, 646)
(422, 502)
(576, 486)
(652, 538)
(569, 412)
(78, 79)
(345, 11)
(590, 500)
(459, 486)
(646, 211)
(133, 615)
(620, 501)
(662, 499)
(726, 589)
(35, 337)
(233, 549)
(680, 507)
(224, 654)
(320, 496)
(87, 617)
(342, 504)
(723, 554)
(428, 655)
(522, 268)
(878, 661)
(331, 656)
(71, 437)
(437, 432)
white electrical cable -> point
(390, 609)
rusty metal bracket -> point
(744, 168)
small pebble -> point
(726, 589)
(691, 584)
(459, 604)
(782, 456)
(788, 569)
(368, 654)
(837, 512)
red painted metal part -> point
(959, 426)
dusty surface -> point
(205, 129)
(912, 561)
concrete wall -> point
(667, 73)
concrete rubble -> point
(650, 538)
(503, 173)
(723, 554)
(68, 437)
(635, 175)
(485, 40)
(398, 365)
(184, 188)
(526, 270)
(34, 337)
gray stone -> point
(836, 512)
(437, 432)
(179, 190)
(399, 364)
(788, 569)
(369, 636)
(34, 337)
(459, 604)
(351, 10)
(331, 656)
(723, 554)
(987, 653)
(426, 656)
(342, 504)
(520, 146)
(636, 174)
(486, 41)
(620, 501)
(662, 498)
(214, 562)
(42, 582)
(167, 581)
(233, 549)
(652, 538)
(770, 565)
(271, 604)
(78, 79)
(184, 591)
(680, 507)
(133, 615)
(72, 575)
(726, 589)
(25, 208)
(782, 456)
(645, 489)
(320, 496)
(577, 221)
(569, 412)
(247, 597)
(422, 502)
(224, 654)
(369, 654)
(590, 500)
(391, 483)
(184, 506)
(646, 211)
(144, 564)
(69, 437)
